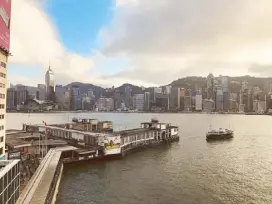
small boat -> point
(219, 134)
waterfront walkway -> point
(39, 188)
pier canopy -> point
(154, 124)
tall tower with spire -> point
(50, 84)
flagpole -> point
(39, 145)
(45, 138)
(46, 142)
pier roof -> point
(94, 134)
(16, 139)
(84, 151)
(132, 131)
(13, 139)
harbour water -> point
(190, 171)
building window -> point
(1, 139)
(1, 150)
(2, 127)
(3, 64)
(2, 75)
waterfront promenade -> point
(43, 186)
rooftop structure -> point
(9, 181)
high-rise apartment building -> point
(50, 85)
(175, 98)
(9, 170)
(139, 101)
(3, 92)
(41, 92)
(11, 99)
(147, 101)
(219, 103)
(105, 104)
(75, 98)
(5, 8)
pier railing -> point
(52, 190)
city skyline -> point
(191, 94)
(105, 44)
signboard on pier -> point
(14, 155)
(112, 144)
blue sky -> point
(79, 23)
(77, 27)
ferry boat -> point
(219, 134)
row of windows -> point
(2, 75)
(134, 138)
(2, 106)
(1, 127)
(9, 186)
(2, 85)
(2, 116)
(3, 64)
(2, 95)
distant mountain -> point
(84, 88)
(192, 82)
(135, 89)
(235, 82)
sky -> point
(142, 42)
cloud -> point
(264, 70)
(160, 41)
(166, 39)
(35, 41)
(120, 3)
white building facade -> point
(3, 93)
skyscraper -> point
(225, 89)
(49, 85)
(139, 101)
(147, 101)
(210, 86)
(128, 92)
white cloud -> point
(120, 3)
(166, 39)
(34, 41)
(162, 40)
